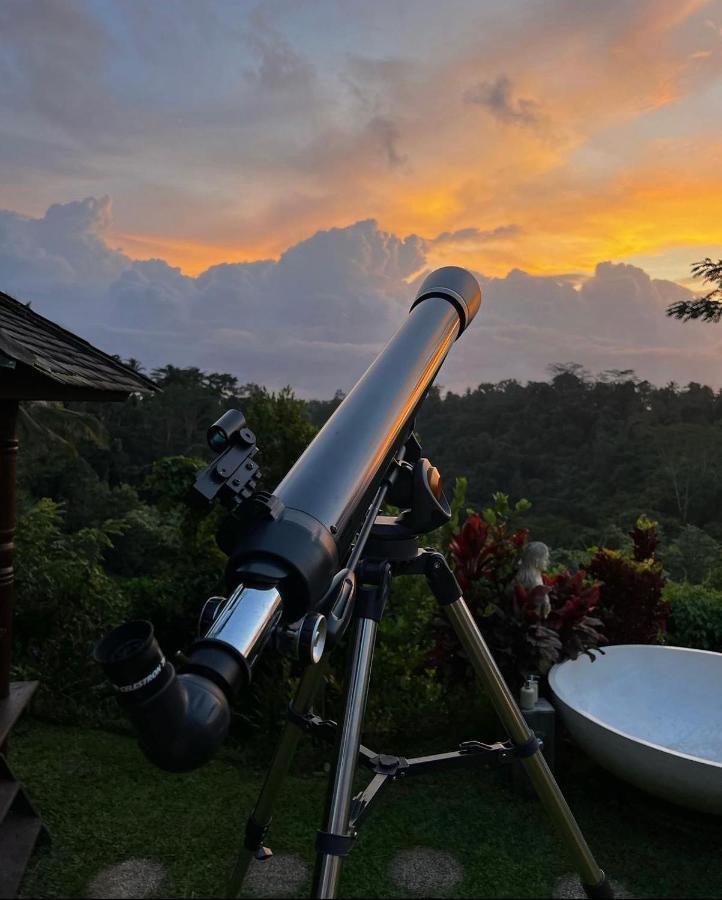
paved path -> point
(280, 876)
(423, 872)
(570, 886)
(418, 872)
(130, 878)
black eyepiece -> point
(181, 720)
(132, 660)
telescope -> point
(313, 556)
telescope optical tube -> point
(322, 500)
(289, 553)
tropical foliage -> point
(528, 630)
(590, 453)
(695, 616)
(105, 530)
(707, 308)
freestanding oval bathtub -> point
(651, 715)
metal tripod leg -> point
(260, 818)
(593, 878)
(334, 843)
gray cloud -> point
(476, 235)
(498, 98)
(316, 317)
(387, 133)
(51, 61)
(278, 65)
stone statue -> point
(532, 563)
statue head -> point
(535, 556)
(533, 561)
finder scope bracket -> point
(233, 475)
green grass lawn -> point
(104, 803)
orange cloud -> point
(554, 124)
(192, 257)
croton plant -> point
(633, 609)
(485, 555)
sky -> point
(258, 187)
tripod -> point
(346, 813)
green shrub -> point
(694, 556)
(65, 602)
(695, 618)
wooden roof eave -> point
(22, 382)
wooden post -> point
(8, 458)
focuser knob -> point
(303, 640)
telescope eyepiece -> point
(133, 661)
(181, 720)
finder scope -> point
(292, 557)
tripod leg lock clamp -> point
(255, 834)
(334, 844)
(373, 580)
(441, 580)
(311, 724)
(528, 748)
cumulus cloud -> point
(317, 316)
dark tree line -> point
(591, 454)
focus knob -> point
(312, 638)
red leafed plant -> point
(574, 599)
(523, 639)
(631, 595)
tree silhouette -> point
(709, 307)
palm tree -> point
(709, 307)
(50, 421)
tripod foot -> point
(600, 891)
(264, 853)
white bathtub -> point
(651, 715)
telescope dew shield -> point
(324, 497)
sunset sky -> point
(528, 141)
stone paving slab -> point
(418, 872)
(131, 878)
(281, 875)
(424, 872)
(570, 886)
